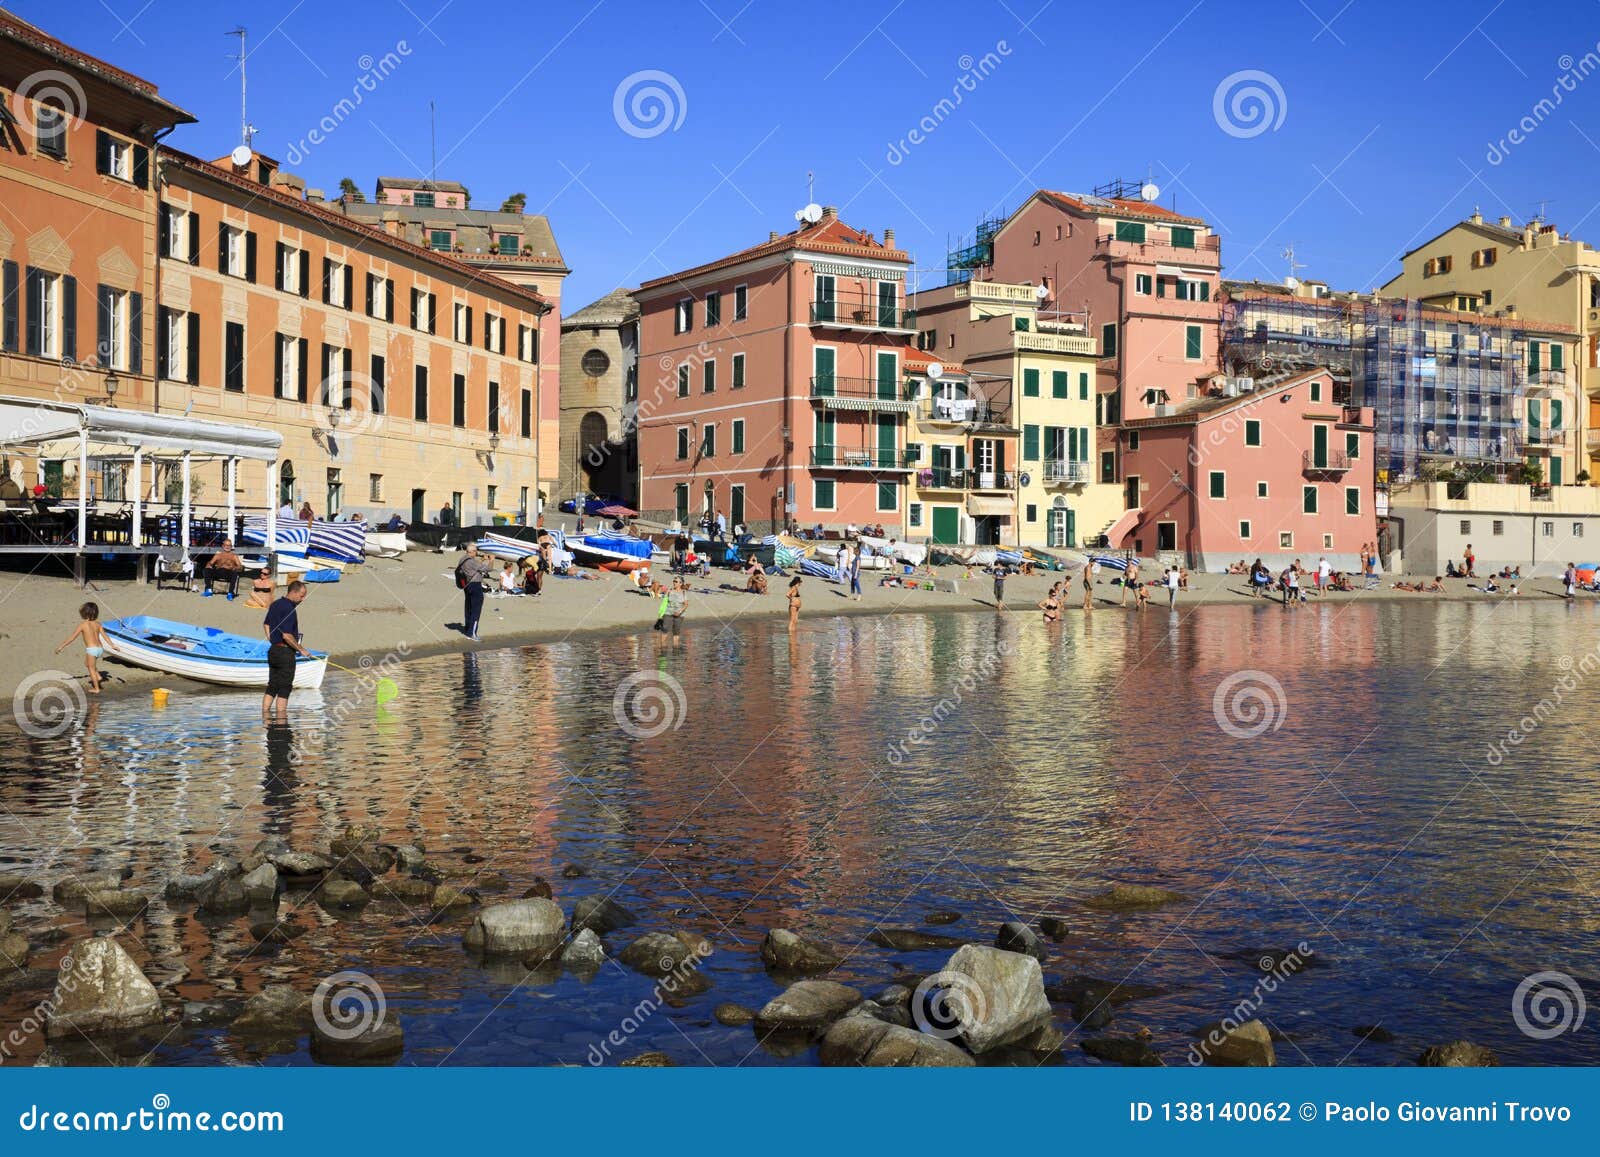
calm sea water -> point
(1367, 818)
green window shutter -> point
(888, 496)
(1182, 238)
(1030, 383)
(822, 368)
(1555, 355)
(1022, 325)
(1533, 357)
(1555, 413)
(1319, 446)
(886, 440)
(1108, 340)
(738, 436)
(1352, 500)
(1083, 387)
(1083, 443)
(1161, 286)
(1130, 231)
(1219, 484)
(1352, 445)
(1191, 342)
(888, 376)
(1308, 499)
(1252, 432)
(822, 493)
(1205, 291)
(1030, 443)
(1533, 415)
(1060, 384)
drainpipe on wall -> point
(788, 399)
(157, 180)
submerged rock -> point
(450, 896)
(342, 893)
(911, 939)
(572, 871)
(1054, 927)
(659, 954)
(734, 1015)
(600, 914)
(995, 997)
(100, 989)
(583, 951)
(867, 1042)
(785, 951)
(807, 1005)
(648, 1061)
(404, 889)
(222, 895)
(114, 903)
(277, 1010)
(1248, 1046)
(517, 928)
(261, 884)
(942, 916)
(1015, 936)
(276, 932)
(14, 886)
(1121, 1050)
(379, 1043)
(13, 947)
(71, 891)
(1458, 1055)
(1129, 897)
(1375, 1033)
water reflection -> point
(1030, 768)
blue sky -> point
(1386, 121)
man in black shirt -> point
(282, 627)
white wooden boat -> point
(207, 654)
(386, 543)
(912, 553)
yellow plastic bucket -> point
(158, 696)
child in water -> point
(94, 642)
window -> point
(374, 487)
(1141, 284)
(1316, 391)
(1108, 465)
(422, 200)
(178, 347)
(233, 357)
(527, 343)
(713, 308)
(1108, 340)
(1244, 529)
(335, 492)
(525, 426)
(1182, 237)
(1185, 290)
(708, 441)
(1547, 529)
(380, 297)
(1036, 236)
(1060, 384)
(741, 302)
(683, 380)
(1327, 542)
(288, 367)
(1261, 489)
(1030, 383)
(822, 493)
(1083, 387)
(888, 497)
(494, 333)
(494, 407)
(1497, 528)
(737, 436)
(683, 316)
(50, 132)
(1466, 527)
(595, 363)
(462, 331)
(459, 401)
(236, 252)
(683, 442)
(1030, 512)
(1030, 443)
(1308, 499)
(1577, 530)
(115, 328)
(680, 501)
(708, 376)
(1352, 445)
(738, 372)
(1285, 540)
(914, 514)
(1133, 439)
(180, 235)
(113, 157)
(1130, 231)
(509, 244)
(424, 310)
(1191, 343)
(1252, 431)
(419, 394)
(1352, 500)
(439, 240)
(492, 496)
(1219, 484)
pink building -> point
(1278, 473)
(771, 383)
(1145, 275)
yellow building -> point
(1538, 274)
(998, 334)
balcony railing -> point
(862, 313)
(1054, 343)
(842, 393)
(965, 411)
(1061, 472)
(856, 458)
(947, 478)
(1205, 250)
(1547, 437)
(1547, 379)
(1328, 462)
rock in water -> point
(342, 893)
(302, 864)
(1054, 927)
(941, 916)
(648, 1061)
(277, 1010)
(658, 954)
(18, 887)
(264, 851)
(1121, 1051)
(1015, 936)
(71, 891)
(101, 990)
(1129, 897)
(784, 951)
(1375, 1033)
(910, 939)
(379, 1043)
(807, 1005)
(867, 1042)
(222, 895)
(403, 889)
(1458, 1055)
(114, 902)
(539, 890)
(448, 896)
(261, 884)
(517, 928)
(1248, 1046)
(600, 914)
(584, 951)
(995, 997)
(13, 949)
(734, 1015)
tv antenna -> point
(1538, 218)
(1294, 266)
(247, 131)
(433, 147)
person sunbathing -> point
(1436, 586)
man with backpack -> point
(470, 575)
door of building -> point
(419, 506)
(886, 442)
(735, 504)
(1166, 536)
(946, 524)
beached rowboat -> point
(386, 543)
(204, 653)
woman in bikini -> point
(1051, 605)
(794, 602)
(94, 642)
(261, 590)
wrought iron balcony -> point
(863, 313)
(857, 458)
(1328, 462)
(947, 478)
(1061, 472)
(838, 393)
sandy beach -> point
(409, 607)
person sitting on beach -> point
(1436, 587)
(261, 590)
(508, 579)
(1260, 578)
(224, 567)
(1450, 570)
(395, 523)
(1183, 577)
(1340, 582)
(1489, 586)
(1238, 568)
(755, 577)
(532, 577)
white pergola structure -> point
(53, 430)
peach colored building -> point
(401, 380)
(1278, 473)
(77, 228)
(771, 384)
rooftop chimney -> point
(888, 238)
(830, 212)
(315, 196)
(1477, 217)
(772, 235)
(1505, 222)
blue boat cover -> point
(620, 543)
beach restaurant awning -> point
(36, 422)
(987, 504)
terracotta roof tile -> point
(829, 235)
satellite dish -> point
(1041, 291)
(240, 156)
(812, 213)
(1149, 191)
(935, 371)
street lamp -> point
(111, 387)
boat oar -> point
(386, 689)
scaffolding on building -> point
(1447, 389)
(967, 261)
